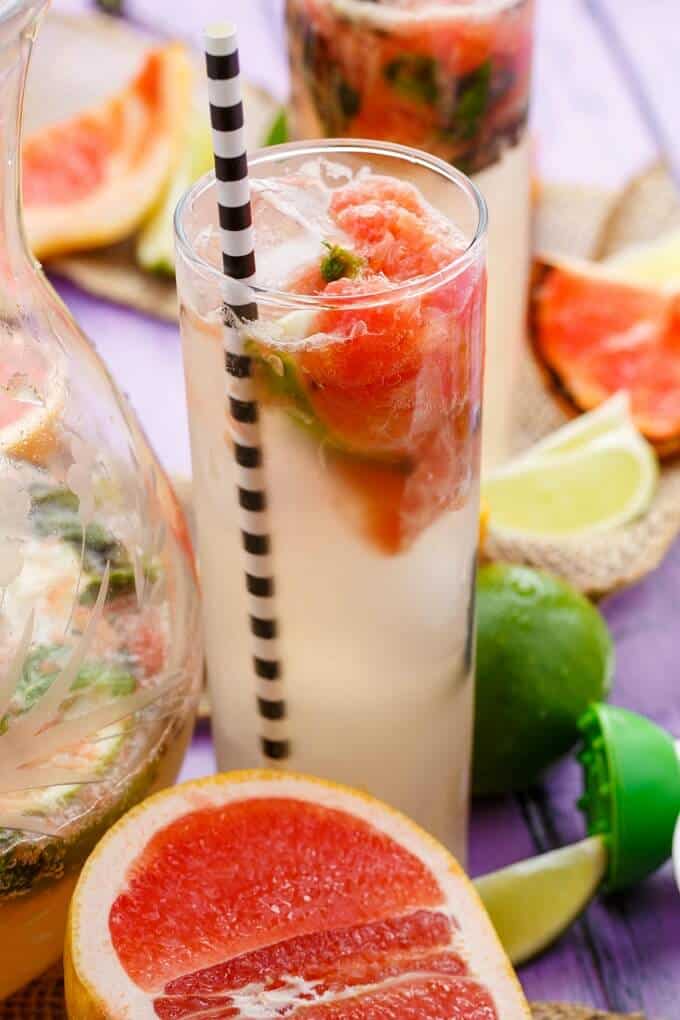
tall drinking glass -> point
(451, 77)
(367, 356)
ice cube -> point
(292, 222)
(208, 245)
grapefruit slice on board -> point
(266, 894)
(597, 334)
(90, 180)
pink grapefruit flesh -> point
(91, 180)
(325, 856)
(397, 379)
(271, 895)
(600, 336)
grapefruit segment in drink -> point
(262, 894)
(384, 377)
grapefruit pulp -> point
(395, 382)
(598, 335)
(91, 180)
(267, 894)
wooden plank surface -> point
(586, 125)
(605, 105)
(643, 38)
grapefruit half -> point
(267, 894)
(598, 334)
(91, 180)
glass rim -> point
(387, 15)
(10, 10)
(380, 296)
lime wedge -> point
(533, 902)
(278, 131)
(655, 264)
(610, 416)
(155, 250)
(598, 486)
(155, 242)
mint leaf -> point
(414, 77)
(348, 98)
(472, 101)
(42, 665)
(278, 131)
(339, 263)
(121, 582)
(54, 512)
(105, 677)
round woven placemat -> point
(589, 224)
(44, 1000)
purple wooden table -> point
(606, 93)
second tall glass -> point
(368, 358)
(451, 77)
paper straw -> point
(238, 258)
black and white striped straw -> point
(238, 258)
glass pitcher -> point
(100, 649)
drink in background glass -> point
(451, 77)
(368, 360)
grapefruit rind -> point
(99, 988)
(140, 131)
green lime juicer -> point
(631, 803)
(631, 796)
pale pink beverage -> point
(368, 359)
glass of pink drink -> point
(451, 77)
(368, 356)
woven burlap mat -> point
(44, 1000)
(592, 224)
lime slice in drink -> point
(531, 903)
(602, 484)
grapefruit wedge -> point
(90, 181)
(598, 334)
(267, 894)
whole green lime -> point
(544, 654)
